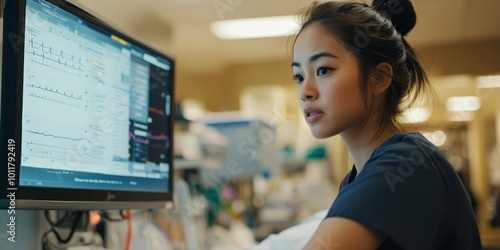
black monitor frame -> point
(15, 196)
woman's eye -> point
(298, 78)
(323, 71)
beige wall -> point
(220, 91)
(210, 89)
(466, 58)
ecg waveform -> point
(51, 152)
(158, 111)
(54, 100)
(151, 138)
(29, 143)
(56, 91)
(138, 140)
(53, 55)
(54, 136)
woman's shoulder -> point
(408, 158)
(407, 146)
(402, 141)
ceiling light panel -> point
(488, 81)
(463, 103)
(255, 27)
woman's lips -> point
(312, 114)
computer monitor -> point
(86, 112)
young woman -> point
(354, 67)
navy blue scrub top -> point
(408, 191)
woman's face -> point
(328, 83)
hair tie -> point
(400, 12)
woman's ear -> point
(381, 78)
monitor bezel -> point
(11, 126)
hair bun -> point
(401, 13)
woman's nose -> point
(308, 90)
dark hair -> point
(376, 35)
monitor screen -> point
(86, 111)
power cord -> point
(128, 239)
(123, 215)
(105, 215)
(73, 217)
